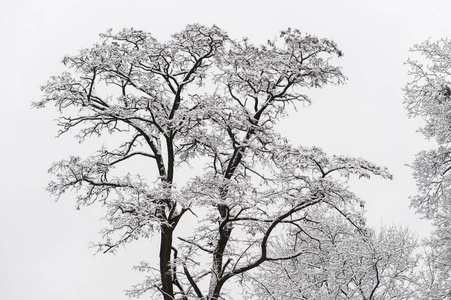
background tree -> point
(200, 99)
(340, 262)
(428, 96)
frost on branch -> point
(131, 205)
(211, 104)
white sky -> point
(44, 250)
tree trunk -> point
(165, 258)
(225, 231)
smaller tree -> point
(339, 261)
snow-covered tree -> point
(198, 113)
(340, 262)
(428, 96)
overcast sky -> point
(44, 251)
